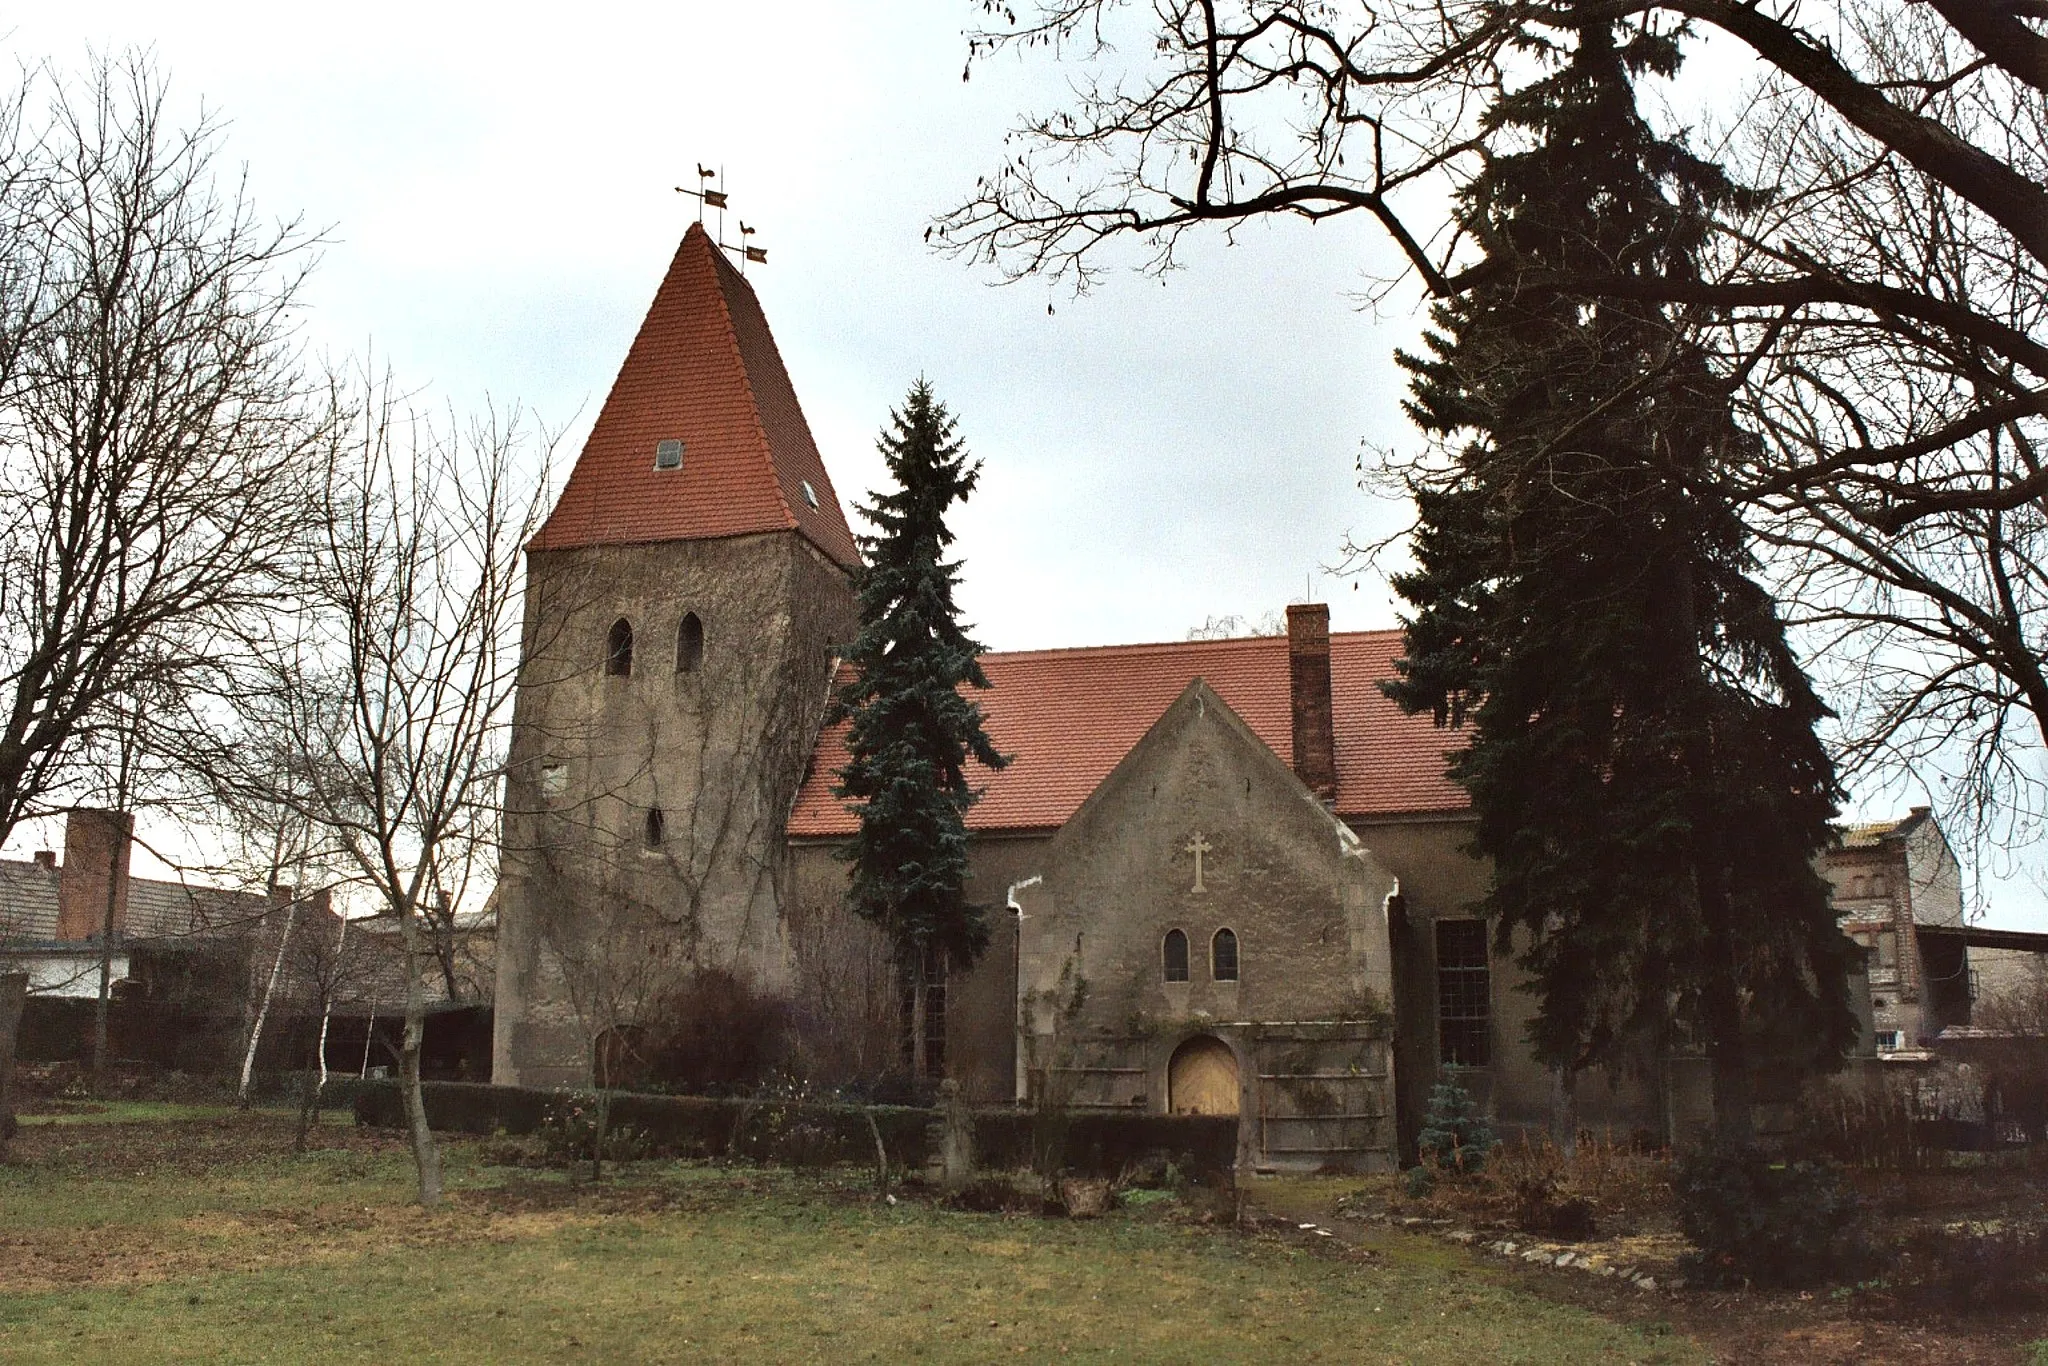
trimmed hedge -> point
(810, 1133)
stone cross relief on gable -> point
(1198, 847)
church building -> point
(1225, 876)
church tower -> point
(683, 601)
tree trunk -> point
(284, 940)
(1564, 1111)
(103, 1001)
(917, 1048)
(309, 1109)
(1721, 1009)
(310, 1087)
(13, 996)
(1721, 986)
(426, 1156)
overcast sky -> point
(497, 189)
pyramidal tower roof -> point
(704, 371)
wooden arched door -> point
(1202, 1078)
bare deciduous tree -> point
(155, 422)
(393, 691)
(1878, 315)
(1236, 109)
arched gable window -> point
(657, 827)
(618, 649)
(1223, 956)
(689, 644)
(1176, 952)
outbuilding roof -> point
(703, 371)
(156, 909)
(1068, 716)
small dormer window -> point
(668, 455)
(810, 494)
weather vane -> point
(709, 198)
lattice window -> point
(1464, 992)
(1223, 956)
(934, 1017)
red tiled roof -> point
(1069, 716)
(703, 370)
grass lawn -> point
(207, 1240)
(132, 1112)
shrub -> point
(1753, 1220)
(1868, 1124)
(568, 1135)
(1202, 1147)
(1455, 1137)
(1543, 1209)
(715, 1035)
(997, 1193)
(1976, 1267)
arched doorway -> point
(1202, 1078)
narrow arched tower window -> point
(657, 827)
(1223, 956)
(618, 649)
(689, 644)
(1175, 951)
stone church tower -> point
(683, 602)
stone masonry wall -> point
(599, 910)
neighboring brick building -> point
(188, 967)
(53, 912)
(1889, 879)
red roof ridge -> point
(721, 268)
(1171, 646)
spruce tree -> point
(912, 729)
(1641, 754)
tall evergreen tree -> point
(913, 729)
(1641, 759)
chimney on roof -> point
(92, 886)
(1308, 690)
(46, 859)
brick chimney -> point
(96, 848)
(1308, 689)
(46, 859)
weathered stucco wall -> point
(1440, 881)
(849, 1014)
(1305, 1020)
(718, 749)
